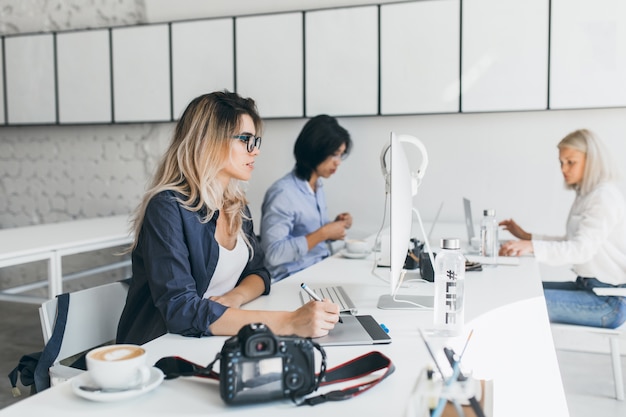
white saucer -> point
(156, 377)
(353, 255)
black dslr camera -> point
(258, 366)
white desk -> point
(511, 345)
(51, 242)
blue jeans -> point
(576, 303)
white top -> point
(230, 264)
(595, 240)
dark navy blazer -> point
(172, 267)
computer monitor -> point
(402, 187)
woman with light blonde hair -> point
(195, 258)
(595, 240)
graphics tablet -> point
(355, 330)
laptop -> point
(469, 220)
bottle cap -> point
(451, 243)
(489, 212)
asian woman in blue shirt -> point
(295, 226)
(195, 258)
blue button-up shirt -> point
(290, 211)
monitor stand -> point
(387, 302)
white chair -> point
(613, 336)
(92, 320)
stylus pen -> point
(313, 295)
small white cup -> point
(118, 366)
(357, 246)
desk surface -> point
(29, 240)
(511, 345)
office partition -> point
(2, 95)
(84, 76)
(269, 63)
(588, 59)
(341, 61)
(141, 73)
(420, 54)
(30, 79)
(202, 60)
(504, 55)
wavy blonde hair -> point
(599, 165)
(199, 149)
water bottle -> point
(449, 289)
(489, 238)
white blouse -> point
(595, 240)
(230, 265)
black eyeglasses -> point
(251, 141)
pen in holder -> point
(431, 388)
(448, 392)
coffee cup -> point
(118, 366)
(357, 246)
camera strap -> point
(175, 366)
(362, 366)
(356, 368)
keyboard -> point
(336, 294)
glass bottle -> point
(449, 289)
(489, 238)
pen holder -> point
(429, 389)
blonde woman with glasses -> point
(195, 258)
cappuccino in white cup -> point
(118, 366)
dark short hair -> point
(320, 138)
